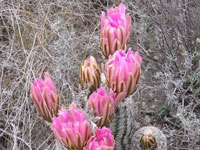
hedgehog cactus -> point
(149, 138)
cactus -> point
(149, 138)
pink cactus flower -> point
(45, 98)
(71, 128)
(115, 30)
(102, 105)
(122, 72)
(103, 140)
(90, 73)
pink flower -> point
(90, 73)
(71, 128)
(103, 105)
(45, 98)
(122, 72)
(103, 140)
(115, 30)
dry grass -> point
(57, 35)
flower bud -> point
(45, 98)
(71, 128)
(90, 73)
(115, 30)
(103, 140)
(102, 105)
(122, 72)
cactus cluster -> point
(122, 72)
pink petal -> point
(102, 19)
(49, 82)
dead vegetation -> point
(57, 35)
